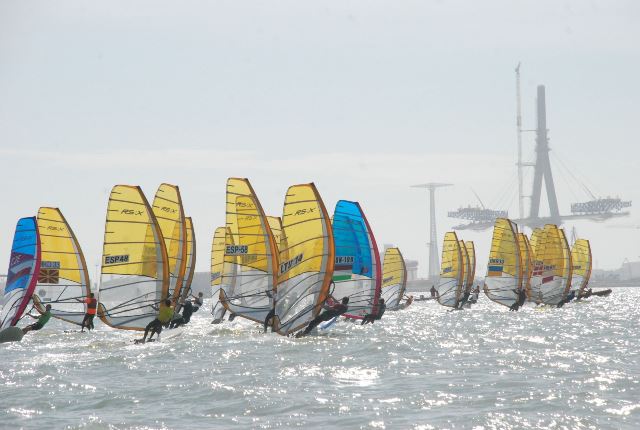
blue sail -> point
(24, 265)
(357, 260)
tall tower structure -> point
(543, 166)
(519, 126)
(434, 260)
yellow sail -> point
(553, 251)
(251, 256)
(538, 237)
(63, 281)
(568, 262)
(275, 223)
(190, 261)
(449, 288)
(582, 262)
(217, 263)
(526, 259)
(306, 265)
(394, 278)
(135, 273)
(167, 207)
(504, 270)
(465, 266)
(471, 253)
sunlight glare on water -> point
(422, 368)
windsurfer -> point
(475, 295)
(92, 305)
(187, 311)
(198, 302)
(165, 314)
(42, 320)
(407, 303)
(587, 294)
(371, 318)
(268, 321)
(521, 296)
(465, 299)
(333, 309)
(433, 292)
(570, 296)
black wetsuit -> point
(154, 326)
(464, 300)
(570, 296)
(521, 297)
(381, 310)
(370, 318)
(187, 311)
(269, 316)
(334, 311)
(197, 306)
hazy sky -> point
(364, 98)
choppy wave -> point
(422, 368)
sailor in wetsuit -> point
(198, 302)
(42, 320)
(570, 296)
(464, 300)
(475, 295)
(187, 311)
(165, 315)
(92, 305)
(370, 318)
(332, 310)
(521, 296)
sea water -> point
(421, 368)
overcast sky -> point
(364, 98)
